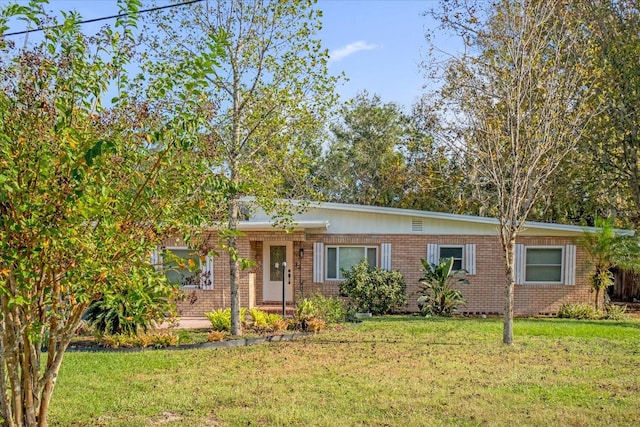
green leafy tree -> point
(132, 307)
(438, 297)
(85, 193)
(364, 164)
(435, 176)
(607, 249)
(580, 194)
(612, 145)
(600, 177)
(519, 100)
(268, 99)
(378, 155)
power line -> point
(105, 18)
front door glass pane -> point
(277, 255)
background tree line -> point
(379, 154)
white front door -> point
(274, 254)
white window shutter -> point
(470, 258)
(156, 259)
(385, 257)
(318, 262)
(570, 265)
(206, 277)
(433, 253)
(519, 264)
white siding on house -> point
(348, 222)
(337, 218)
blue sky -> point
(377, 43)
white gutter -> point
(271, 226)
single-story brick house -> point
(550, 268)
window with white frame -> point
(543, 264)
(456, 252)
(341, 258)
(188, 269)
(464, 256)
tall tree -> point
(378, 155)
(612, 145)
(577, 195)
(363, 164)
(270, 96)
(434, 178)
(85, 193)
(521, 93)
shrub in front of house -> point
(215, 336)
(330, 309)
(578, 311)
(587, 311)
(266, 322)
(143, 340)
(616, 312)
(307, 317)
(438, 297)
(374, 290)
(221, 318)
(132, 309)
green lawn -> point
(392, 371)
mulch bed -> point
(91, 344)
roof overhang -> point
(463, 218)
(324, 225)
(315, 225)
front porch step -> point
(277, 308)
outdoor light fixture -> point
(301, 252)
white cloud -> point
(350, 49)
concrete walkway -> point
(190, 323)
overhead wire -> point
(104, 18)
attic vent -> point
(416, 224)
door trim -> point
(272, 290)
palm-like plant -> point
(606, 249)
(438, 297)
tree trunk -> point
(28, 383)
(234, 267)
(509, 248)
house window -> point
(344, 257)
(455, 252)
(543, 264)
(183, 267)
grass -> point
(390, 371)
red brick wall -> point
(196, 302)
(486, 290)
(484, 294)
